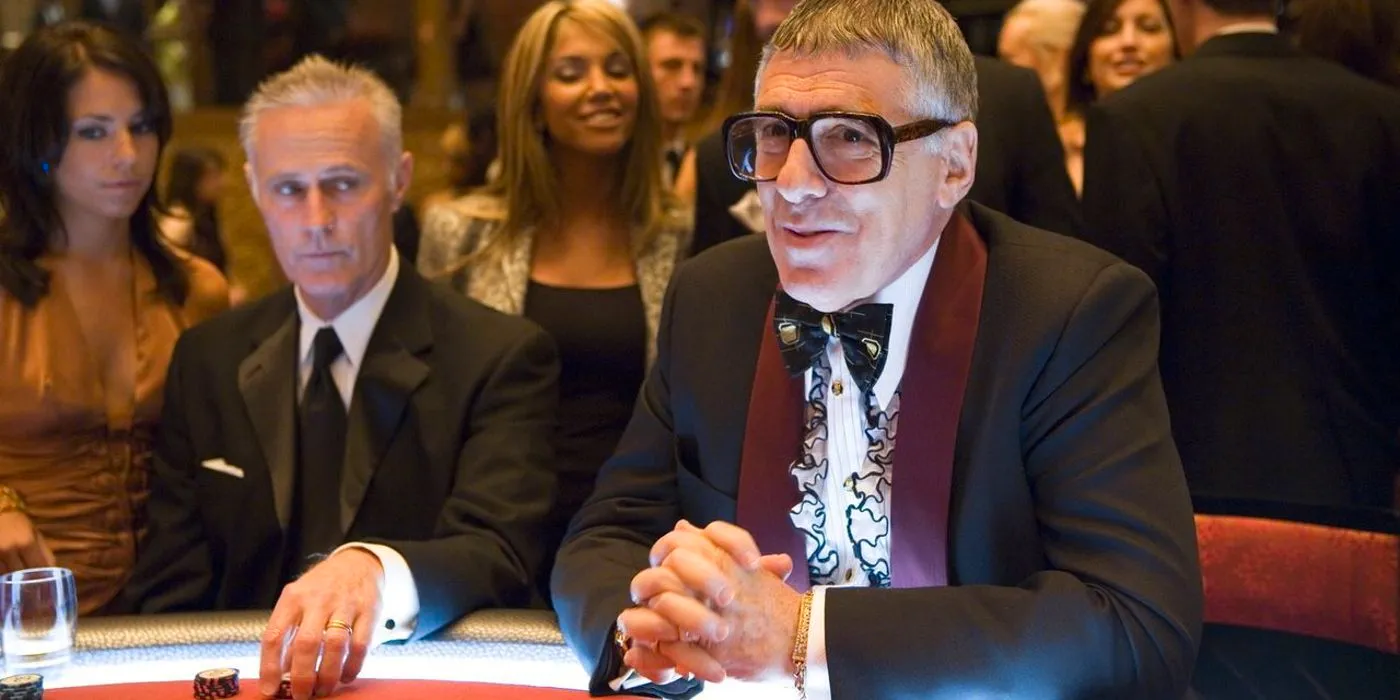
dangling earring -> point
(45, 166)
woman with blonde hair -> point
(578, 232)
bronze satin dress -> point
(82, 470)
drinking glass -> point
(38, 618)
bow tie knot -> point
(864, 331)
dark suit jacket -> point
(1071, 546)
(447, 461)
(1260, 189)
(1020, 162)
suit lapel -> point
(772, 440)
(392, 371)
(654, 268)
(500, 282)
(267, 381)
(940, 358)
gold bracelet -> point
(10, 500)
(799, 647)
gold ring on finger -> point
(340, 625)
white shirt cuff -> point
(398, 601)
(627, 679)
(818, 675)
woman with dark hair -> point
(193, 185)
(91, 302)
(1118, 42)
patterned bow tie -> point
(803, 333)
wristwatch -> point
(10, 500)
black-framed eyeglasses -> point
(851, 148)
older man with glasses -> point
(903, 447)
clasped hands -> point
(711, 606)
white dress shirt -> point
(1258, 27)
(354, 326)
(847, 445)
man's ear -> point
(403, 177)
(959, 151)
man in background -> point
(676, 51)
(1258, 186)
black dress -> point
(602, 336)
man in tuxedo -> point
(1020, 165)
(950, 421)
(1258, 188)
(363, 412)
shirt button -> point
(850, 575)
(850, 483)
(837, 388)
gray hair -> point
(316, 81)
(918, 34)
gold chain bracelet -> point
(799, 647)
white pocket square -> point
(222, 467)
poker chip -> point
(284, 689)
(25, 686)
(216, 683)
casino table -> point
(361, 690)
(517, 654)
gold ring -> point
(340, 625)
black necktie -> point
(803, 333)
(674, 156)
(321, 418)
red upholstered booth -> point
(1322, 573)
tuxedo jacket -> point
(1020, 162)
(447, 455)
(1260, 189)
(1071, 557)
